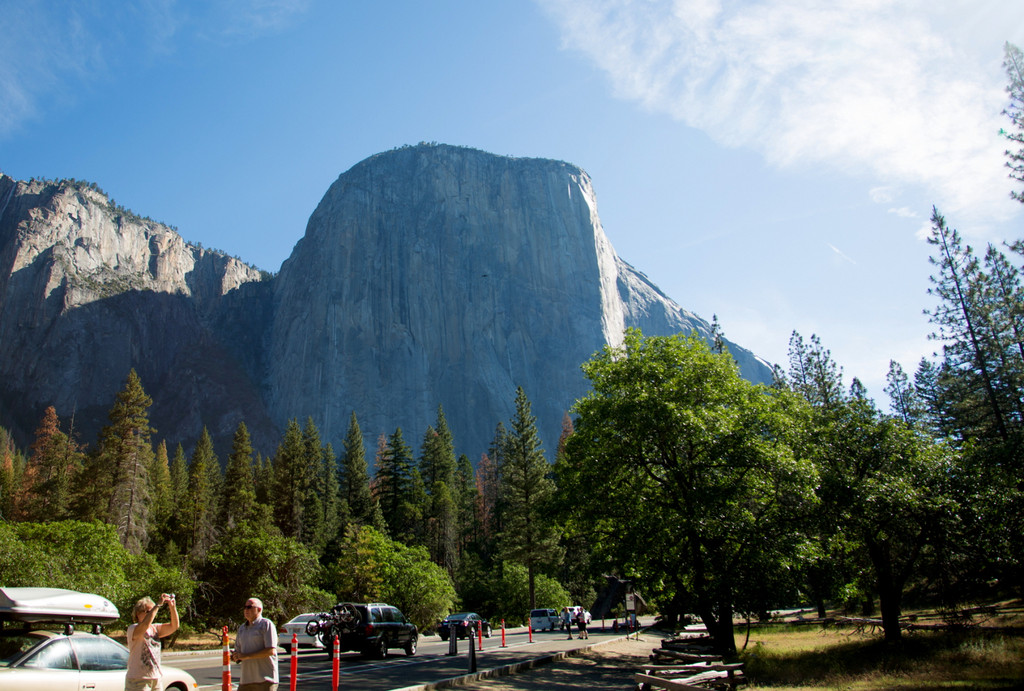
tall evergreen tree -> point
(201, 506)
(906, 402)
(355, 476)
(1013, 62)
(394, 484)
(290, 481)
(50, 471)
(119, 470)
(527, 491)
(162, 498)
(963, 328)
(238, 500)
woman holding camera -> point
(144, 643)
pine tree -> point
(201, 507)
(1014, 65)
(394, 484)
(290, 480)
(965, 331)
(12, 465)
(527, 490)
(120, 467)
(49, 473)
(813, 373)
(355, 476)
(905, 399)
(437, 468)
(238, 500)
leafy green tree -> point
(355, 476)
(280, 571)
(886, 485)
(526, 493)
(691, 476)
(374, 567)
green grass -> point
(787, 657)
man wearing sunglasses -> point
(256, 650)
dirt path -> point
(604, 666)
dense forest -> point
(716, 497)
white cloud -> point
(899, 91)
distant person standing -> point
(256, 650)
(567, 621)
(144, 644)
(581, 623)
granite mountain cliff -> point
(428, 276)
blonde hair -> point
(142, 606)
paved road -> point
(431, 664)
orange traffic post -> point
(503, 634)
(295, 660)
(480, 637)
(225, 680)
(529, 630)
(334, 663)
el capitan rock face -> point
(428, 275)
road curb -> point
(508, 670)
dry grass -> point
(802, 657)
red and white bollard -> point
(480, 637)
(503, 634)
(529, 630)
(295, 660)
(335, 662)
(225, 679)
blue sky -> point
(773, 162)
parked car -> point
(40, 648)
(297, 626)
(372, 628)
(544, 620)
(461, 623)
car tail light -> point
(369, 629)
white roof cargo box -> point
(34, 605)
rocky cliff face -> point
(88, 291)
(428, 276)
(436, 275)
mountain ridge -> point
(427, 276)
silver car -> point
(34, 660)
(297, 626)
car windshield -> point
(460, 616)
(13, 645)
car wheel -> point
(487, 631)
(410, 647)
(444, 636)
(382, 647)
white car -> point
(297, 626)
(41, 650)
(544, 620)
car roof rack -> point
(55, 606)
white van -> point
(544, 619)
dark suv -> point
(371, 628)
